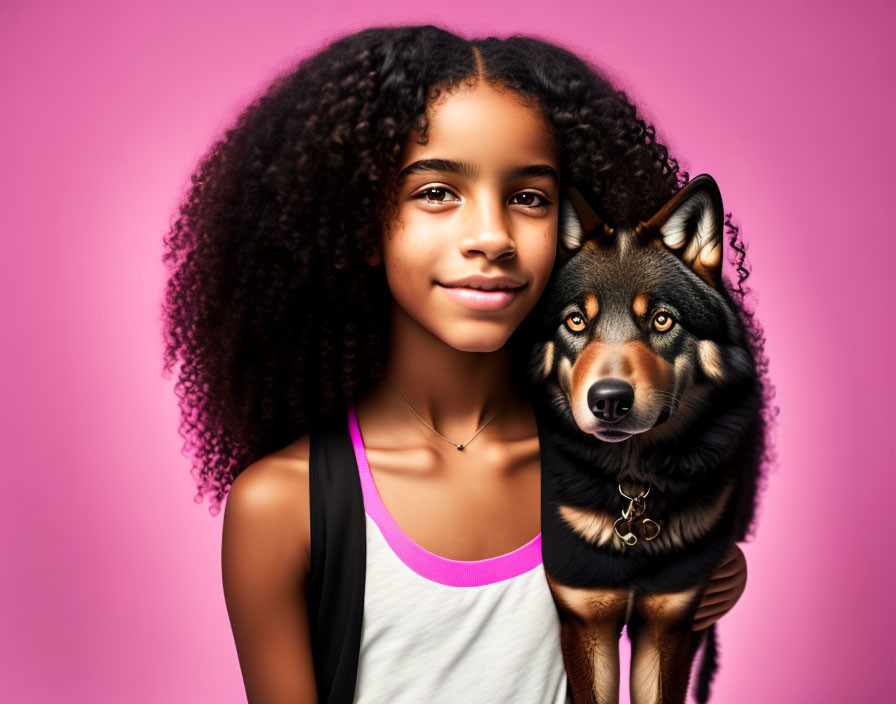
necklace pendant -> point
(460, 447)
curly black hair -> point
(275, 317)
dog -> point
(650, 407)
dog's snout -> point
(611, 399)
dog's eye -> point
(663, 322)
(575, 322)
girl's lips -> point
(481, 300)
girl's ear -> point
(579, 222)
(690, 226)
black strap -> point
(335, 589)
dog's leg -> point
(591, 622)
(663, 646)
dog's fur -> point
(648, 309)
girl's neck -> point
(455, 391)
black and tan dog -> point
(650, 414)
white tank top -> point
(437, 630)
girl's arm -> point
(725, 588)
(265, 556)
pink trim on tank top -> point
(454, 573)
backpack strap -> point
(335, 591)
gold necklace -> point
(459, 446)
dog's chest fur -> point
(581, 502)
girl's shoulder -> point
(270, 499)
(265, 556)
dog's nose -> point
(610, 399)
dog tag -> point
(636, 508)
(627, 527)
(630, 532)
(623, 529)
(651, 528)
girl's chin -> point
(485, 339)
(479, 348)
(467, 332)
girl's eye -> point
(575, 322)
(438, 195)
(528, 197)
(441, 194)
(662, 321)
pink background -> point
(111, 588)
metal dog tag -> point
(627, 527)
(623, 529)
(630, 531)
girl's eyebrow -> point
(465, 168)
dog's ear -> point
(690, 225)
(579, 222)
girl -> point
(324, 286)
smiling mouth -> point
(486, 290)
(479, 299)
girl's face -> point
(479, 199)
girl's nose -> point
(488, 232)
